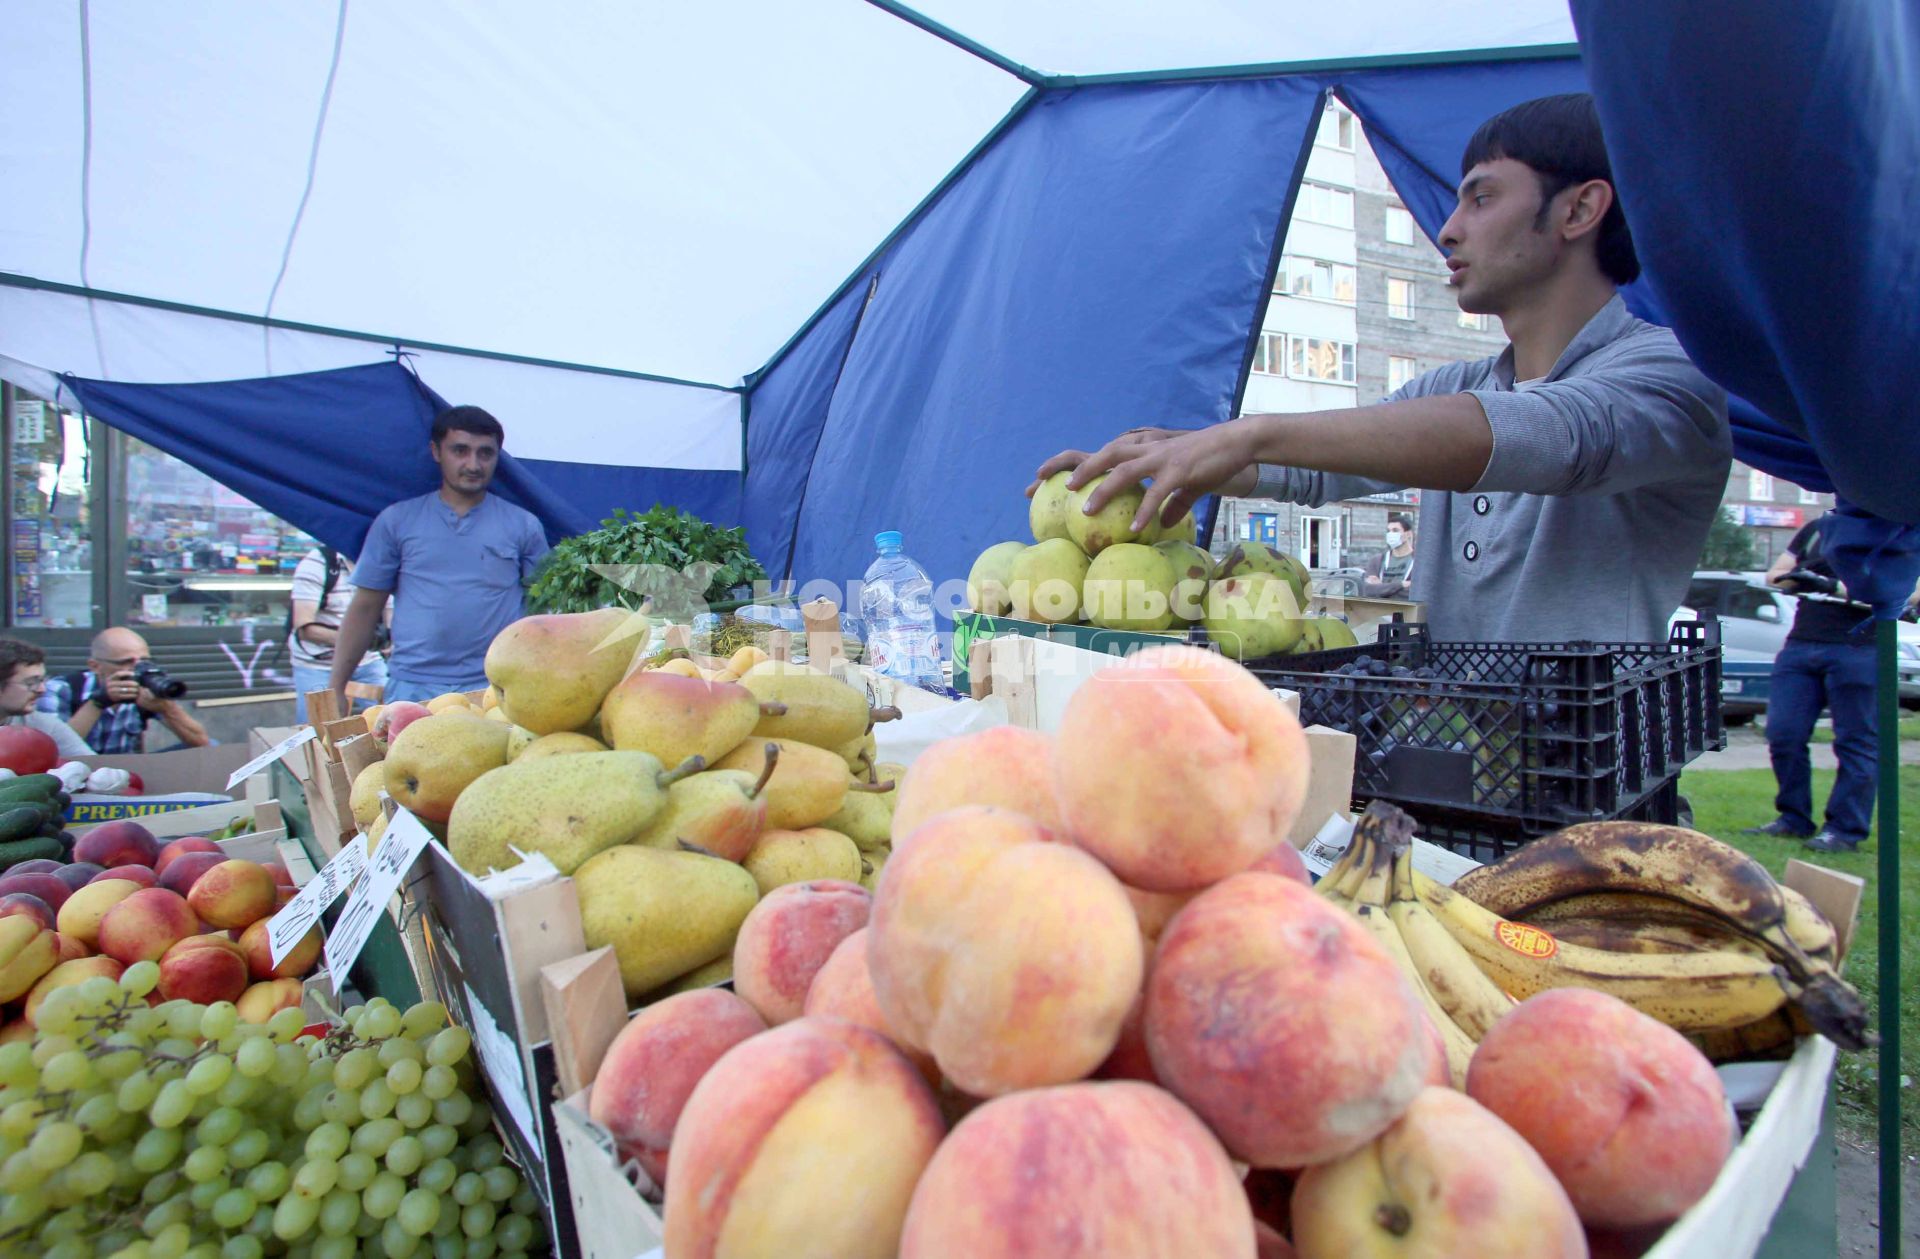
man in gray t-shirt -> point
(456, 563)
(1572, 478)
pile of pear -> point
(1097, 569)
(674, 802)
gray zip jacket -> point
(1605, 476)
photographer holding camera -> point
(322, 591)
(122, 690)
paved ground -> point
(1856, 1174)
(1747, 749)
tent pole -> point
(1889, 897)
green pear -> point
(564, 743)
(552, 672)
(1258, 557)
(783, 857)
(1130, 587)
(804, 704)
(1112, 523)
(663, 913)
(712, 975)
(1336, 633)
(1181, 530)
(859, 754)
(1253, 615)
(866, 818)
(519, 739)
(1309, 636)
(987, 579)
(871, 864)
(889, 772)
(1047, 511)
(720, 811)
(565, 807)
(673, 717)
(437, 758)
(1045, 581)
(1192, 568)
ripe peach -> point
(143, 875)
(185, 870)
(70, 949)
(1130, 1059)
(144, 926)
(77, 971)
(204, 969)
(748, 1177)
(39, 865)
(281, 875)
(399, 716)
(1177, 768)
(1284, 860)
(1155, 910)
(1625, 1112)
(263, 1000)
(80, 916)
(1446, 1179)
(27, 904)
(843, 989)
(50, 888)
(18, 1029)
(1123, 1169)
(233, 894)
(1282, 1023)
(788, 937)
(77, 875)
(123, 843)
(654, 1063)
(259, 953)
(1008, 767)
(1004, 997)
(181, 847)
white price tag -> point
(288, 927)
(268, 757)
(400, 846)
(1328, 844)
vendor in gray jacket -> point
(1580, 468)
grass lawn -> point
(1724, 801)
(1909, 729)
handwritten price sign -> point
(400, 846)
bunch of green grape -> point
(177, 1131)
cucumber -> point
(18, 821)
(14, 852)
(32, 788)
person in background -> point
(23, 679)
(1826, 663)
(108, 707)
(456, 563)
(322, 590)
(1390, 574)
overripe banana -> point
(1804, 924)
(1620, 936)
(1449, 972)
(1459, 1046)
(1690, 992)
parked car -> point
(1754, 620)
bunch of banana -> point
(1374, 879)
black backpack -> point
(330, 558)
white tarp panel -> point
(549, 413)
(669, 188)
(1087, 37)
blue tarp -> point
(327, 450)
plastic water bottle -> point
(896, 602)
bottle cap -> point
(887, 540)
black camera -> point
(157, 680)
(382, 638)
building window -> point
(1317, 359)
(1759, 486)
(1809, 496)
(1400, 370)
(1399, 298)
(1319, 203)
(1336, 129)
(1476, 322)
(49, 557)
(1399, 226)
(1270, 354)
(1318, 279)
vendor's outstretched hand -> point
(1176, 467)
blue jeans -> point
(1808, 677)
(315, 677)
(420, 692)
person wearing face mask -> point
(1390, 574)
(1570, 480)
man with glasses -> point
(108, 708)
(23, 678)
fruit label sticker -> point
(400, 845)
(1526, 940)
(268, 757)
(288, 927)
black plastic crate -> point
(1501, 741)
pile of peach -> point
(1091, 959)
(125, 898)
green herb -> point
(668, 559)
